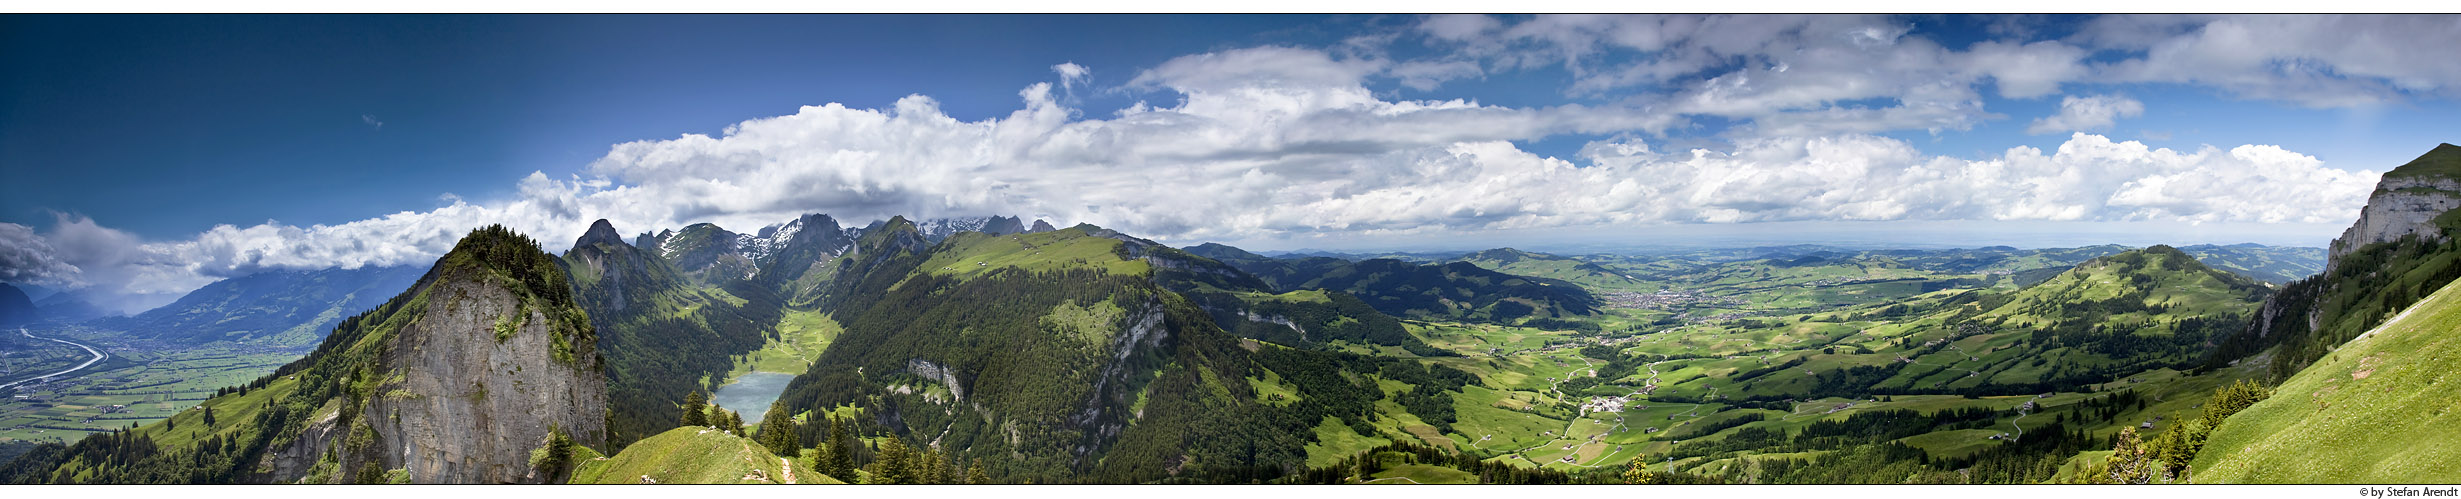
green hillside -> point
(2380, 409)
(2444, 161)
(1066, 356)
(695, 455)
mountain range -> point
(1028, 353)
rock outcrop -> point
(457, 380)
(468, 408)
(2400, 207)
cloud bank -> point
(1281, 141)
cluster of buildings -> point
(1605, 404)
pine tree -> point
(209, 416)
(975, 474)
(721, 418)
(694, 412)
(841, 450)
(895, 465)
(778, 431)
(949, 473)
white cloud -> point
(2084, 114)
(2311, 60)
(1426, 75)
(1071, 74)
(1274, 141)
(370, 120)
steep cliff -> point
(2400, 249)
(457, 380)
(2406, 203)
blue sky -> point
(151, 154)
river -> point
(751, 394)
(98, 357)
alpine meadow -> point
(1229, 249)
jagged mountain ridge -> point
(662, 333)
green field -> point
(131, 387)
(801, 336)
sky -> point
(145, 156)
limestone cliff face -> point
(457, 381)
(2401, 206)
(467, 407)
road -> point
(98, 357)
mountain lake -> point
(751, 394)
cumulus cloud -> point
(27, 258)
(370, 120)
(2089, 113)
(1278, 141)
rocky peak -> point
(1041, 226)
(458, 379)
(601, 232)
(2406, 202)
(1001, 226)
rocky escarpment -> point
(2384, 262)
(456, 381)
(937, 372)
(2401, 207)
(468, 407)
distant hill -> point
(15, 308)
(1524, 263)
(2273, 264)
(2144, 309)
(69, 307)
(1455, 290)
(279, 307)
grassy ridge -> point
(2381, 409)
(695, 455)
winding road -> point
(98, 357)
